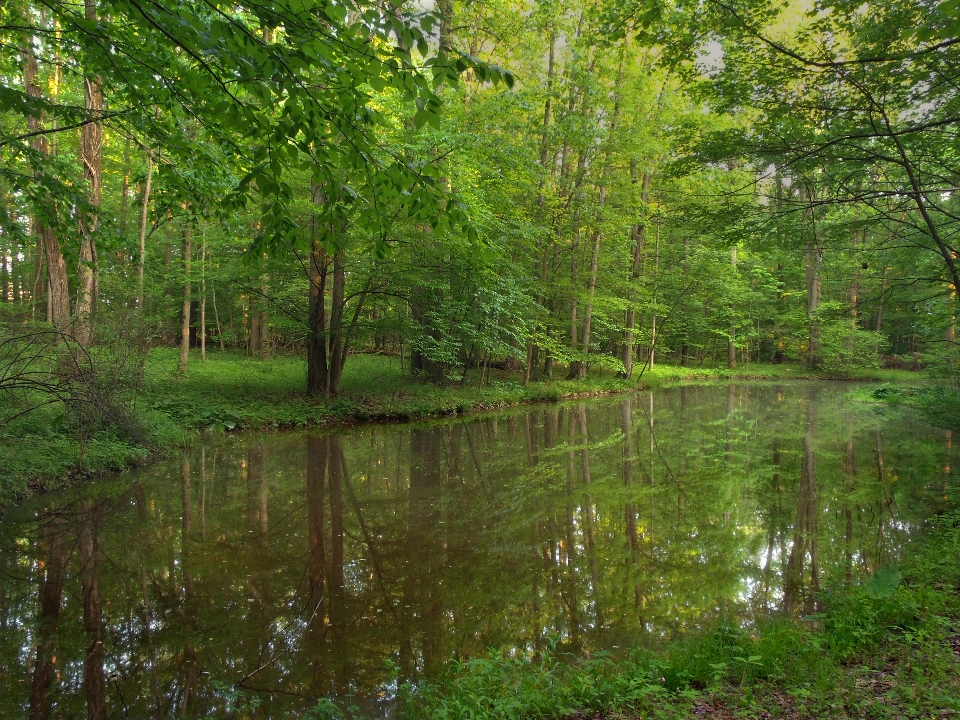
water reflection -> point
(295, 566)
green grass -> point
(884, 649)
(231, 392)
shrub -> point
(844, 348)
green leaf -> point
(883, 583)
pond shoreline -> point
(173, 419)
(603, 559)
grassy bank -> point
(44, 450)
(889, 648)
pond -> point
(343, 564)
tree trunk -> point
(656, 288)
(317, 314)
(588, 307)
(329, 344)
(185, 307)
(813, 262)
(336, 345)
(601, 201)
(574, 371)
(732, 340)
(58, 290)
(5, 290)
(638, 233)
(317, 330)
(39, 279)
(264, 347)
(203, 299)
(144, 204)
(216, 317)
(546, 166)
(853, 292)
(91, 157)
(16, 294)
(253, 328)
(878, 320)
(814, 259)
(124, 192)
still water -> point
(339, 565)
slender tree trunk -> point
(813, 262)
(91, 157)
(732, 341)
(638, 234)
(814, 259)
(656, 288)
(39, 279)
(253, 327)
(574, 332)
(591, 290)
(185, 307)
(5, 284)
(203, 298)
(545, 169)
(317, 330)
(337, 346)
(853, 292)
(574, 371)
(124, 200)
(142, 249)
(58, 291)
(216, 317)
(317, 320)
(16, 294)
(878, 320)
(685, 346)
(264, 342)
(597, 234)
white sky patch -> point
(710, 58)
(922, 105)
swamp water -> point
(341, 565)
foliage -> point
(846, 349)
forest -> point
(534, 186)
(305, 214)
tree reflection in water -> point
(289, 567)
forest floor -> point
(887, 649)
(45, 450)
